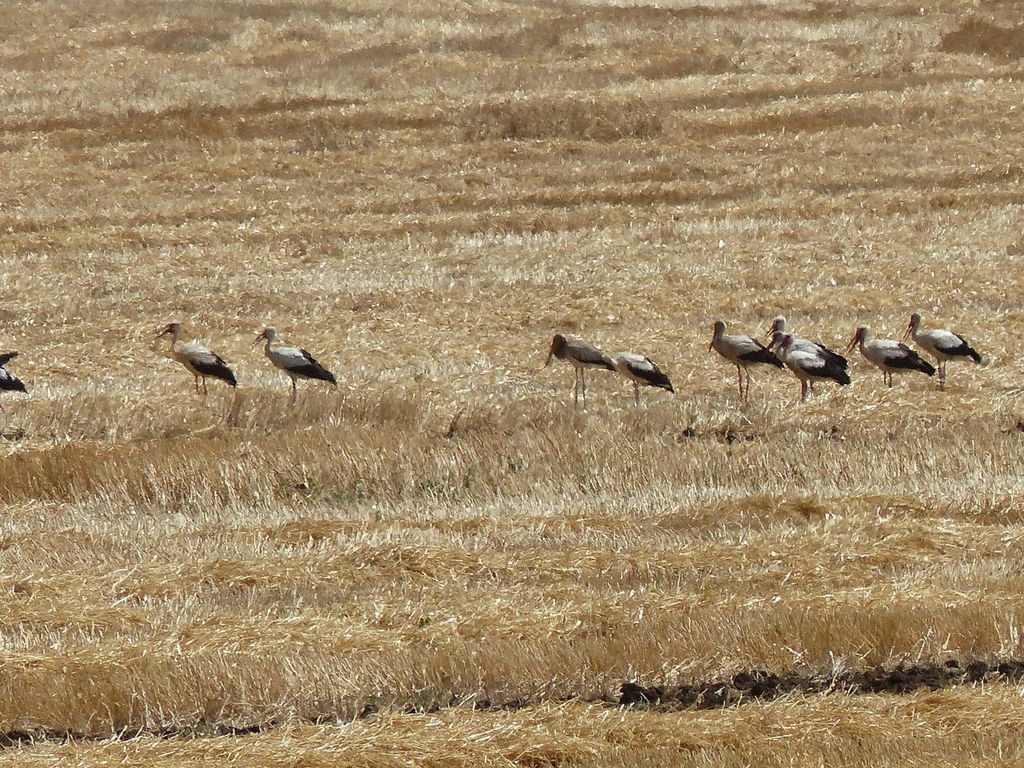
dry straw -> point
(423, 195)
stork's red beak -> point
(906, 335)
(853, 342)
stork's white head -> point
(719, 330)
(778, 326)
(557, 348)
(267, 333)
(913, 325)
(171, 328)
(859, 337)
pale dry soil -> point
(421, 194)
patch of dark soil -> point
(832, 433)
(633, 694)
(732, 435)
(1018, 427)
(761, 685)
(978, 37)
(16, 738)
(726, 433)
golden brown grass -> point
(421, 194)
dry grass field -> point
(422, 194)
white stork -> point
(743, 352)
(8, 381)
(200, 361)
(889, 356)
(640, 370)
(778, 330)
(941, 344)
(295, 361)
(581, 356)
(808, 365)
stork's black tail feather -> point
(911, 361)
(964, 350)
(834, 358)
(218, 371)
(11, 383)
(655, 378)
(838, 375)
(314, 371)
(763, 355)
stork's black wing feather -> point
(218, 369)
(11, 383)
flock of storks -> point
(809, 361)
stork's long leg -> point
(739, 379)
(636, 394)
(748, 384)
(294, 390)
(206, 390)
(583, 385)
(196, 383)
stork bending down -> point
(200, 361)
(581, 356)
(640, 370)
(778, 330)
(808, 365)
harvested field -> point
(442, 562)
